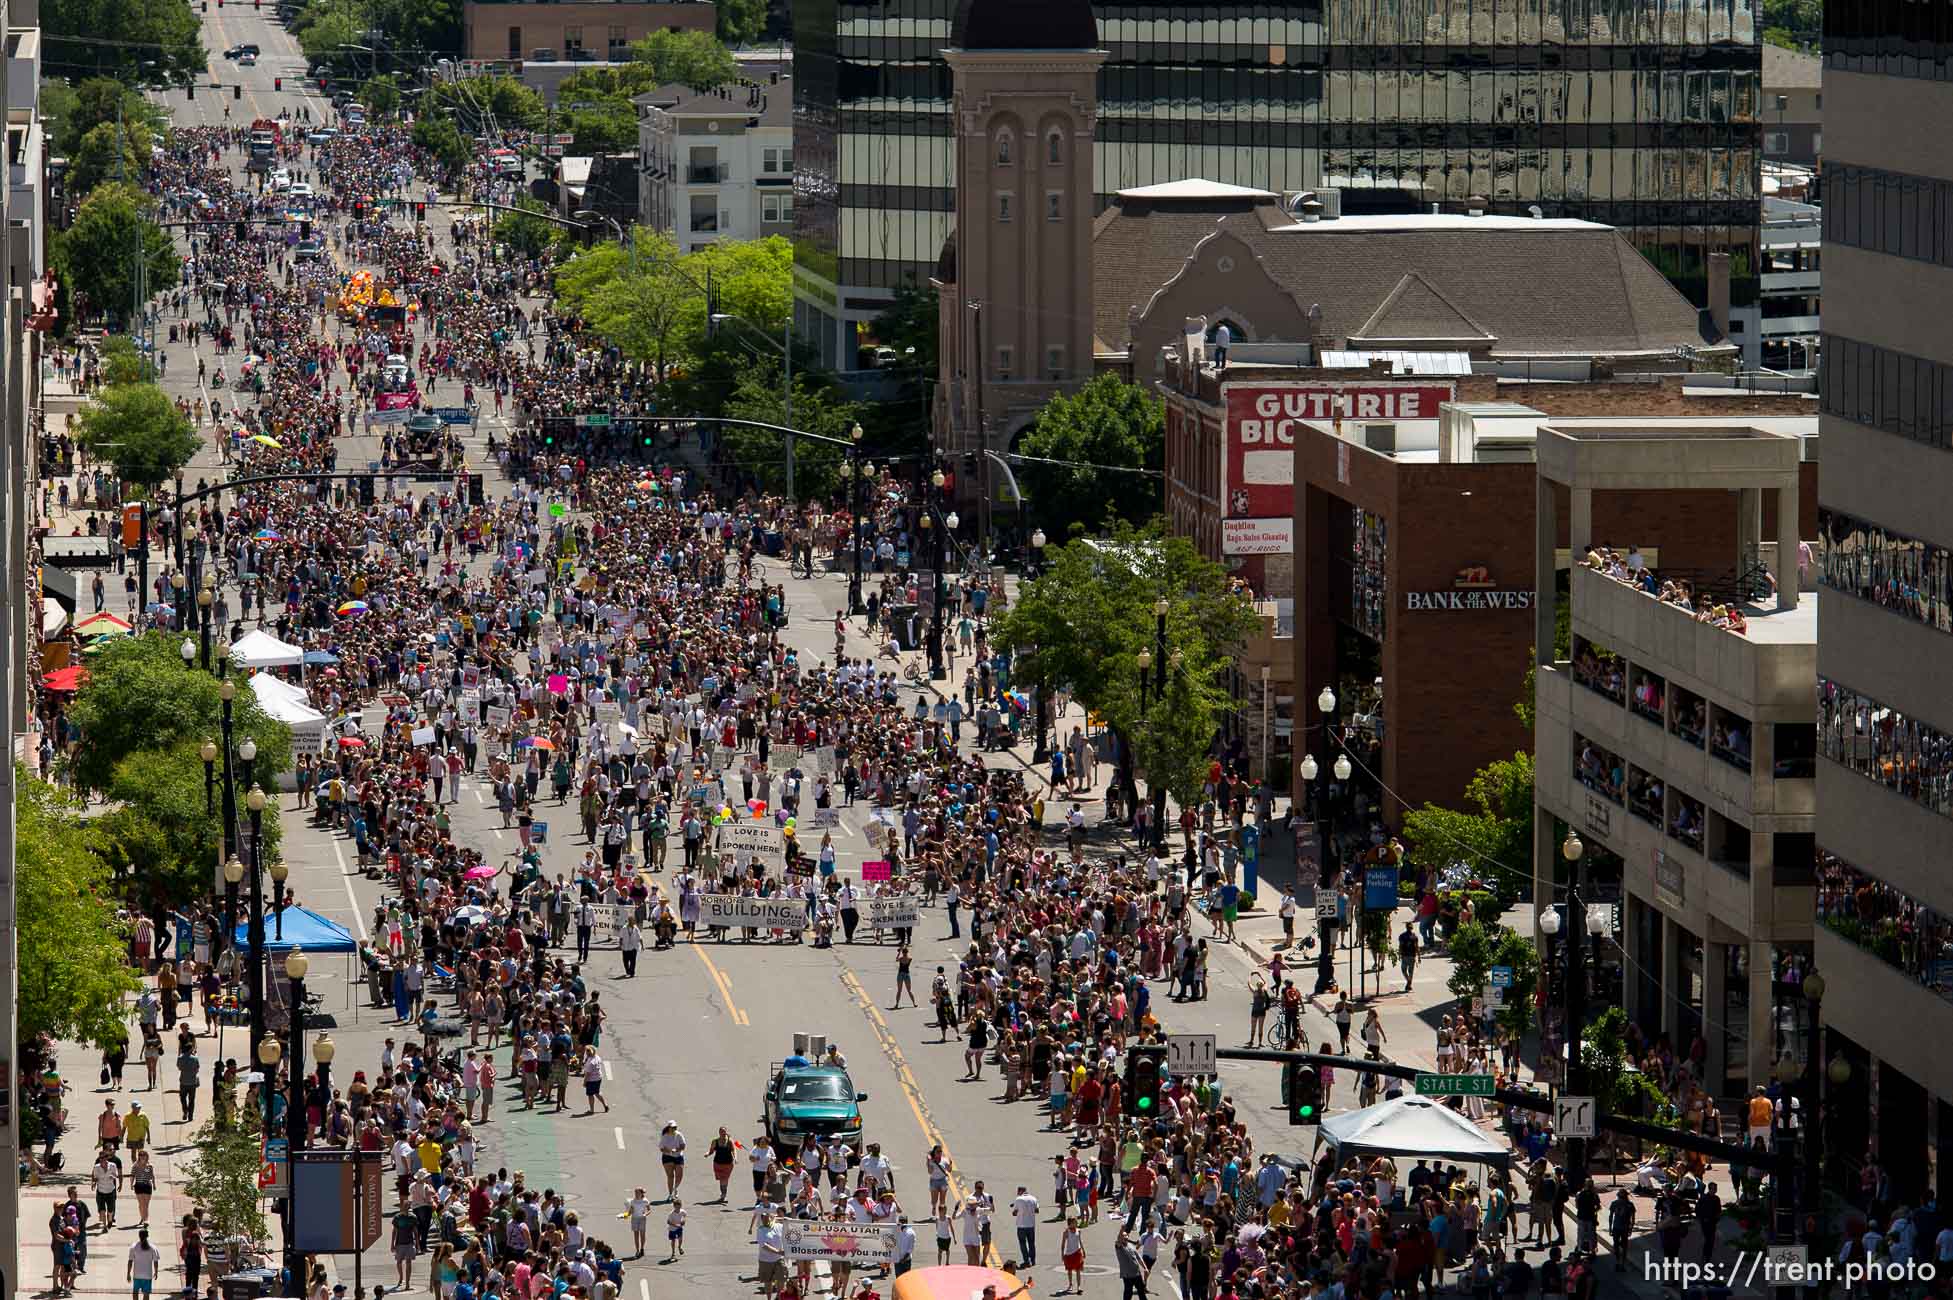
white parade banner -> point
(806, 1240)
(749, 840)
(735, 910)
(898, 913)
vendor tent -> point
(1416, 1127)
(262, 650)
(302, 928)
(287, 703)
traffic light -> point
(241, 231)
(305, 229)
(420, 210)
(1302, 1090)
(190, 90)
(476, 495)
(1145, 1080)
(237, 92)
(366, 489)
(277, 83)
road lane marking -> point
(480, 798)
(618, 1133)
(737, 1016)
(644, 1288)
(609, 1074)
(911, 1089)
(351, 898)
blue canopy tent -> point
(315, 658)
(302, 928)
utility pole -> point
(13, 656)
(791, 498)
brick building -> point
(1406, 552)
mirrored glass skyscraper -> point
(1639, 113)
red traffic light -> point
(277, 83)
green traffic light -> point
(1306, 1111)
(1146, 1103)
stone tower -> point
(1016, 278)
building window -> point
(770, 162)
(1003, 364)
(776, 207)
(786, 159)
(515, 44)
(1911, 758)
(1054, 205)
(618, 43)
(1003, 207)
(1910, 577)
(1054, 363)
(572, 39)
(1884, 389)
(1003, 148)
(1054, 148)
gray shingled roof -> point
(1537, 287)
(1791, 69)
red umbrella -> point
(64, 679)
(352, 742)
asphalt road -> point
(691, 1038)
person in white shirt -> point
(1024, 1212)
(145, 1265)
(837, 1163)
(876, 1173)
(671, 1153)
(772, 1256)
(675, 1229)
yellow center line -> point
(737, 1016)
(912, 1091)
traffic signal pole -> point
(1782, 1165)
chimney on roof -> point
(1475, 206)
(1132, 326)
(1719, 292)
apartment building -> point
(1886, 696)
(1677, 740)
(716, 164)
(576, 31)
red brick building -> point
(1412, 528)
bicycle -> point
(913, 674)
(803, 566)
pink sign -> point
(558, 683)
(876, 870)
(393, 401)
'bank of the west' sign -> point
(1473, 589)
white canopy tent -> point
(1413, 1126)
(288, 704)
(260, 649)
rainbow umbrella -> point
(353, 607)
(269, 535)
(645, 485)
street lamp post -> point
(179, 616)
(205, 595)
(209, 753)
(928, 526)
(233, 877)
(255, 983)
(279, 898)
(858, 475)
(1572, 849)
(228, 692)
(296, 964)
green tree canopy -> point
(1084, 621)
(112, 151)
(441, 138)
(221, 1175)
(124, 363)
(76, 110)
(137, 429)
(525, 231)
(1107, 422)
(687, 58)
(165, 33)
(1493, 840)
(483, 104)
(95, 254)
(602, 126)
(159, 834)
(911, 321)
(424, 28)
(73, 968)
(381, 95)
(818, 407)
(140, 699)
(740, 21)
(1475, 949)
(326, 27)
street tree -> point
(153, 42)
(483, 104)
(96, 255)
(76, 110)
(111, 151)
(602, 126)
(441, 138)
(326, 27)
(687, 58)
(222, 1177)
(1490, 840)
(750, 278)
(140, 699)
(740, 21)
(528, 231)
(157, 834)
(1085, 620)
(381, 95)
(911, 321)
(137, 429)
(124, 363)
(818, 407)
(72, 961)
(1108, 422)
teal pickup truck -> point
(803, 1099)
